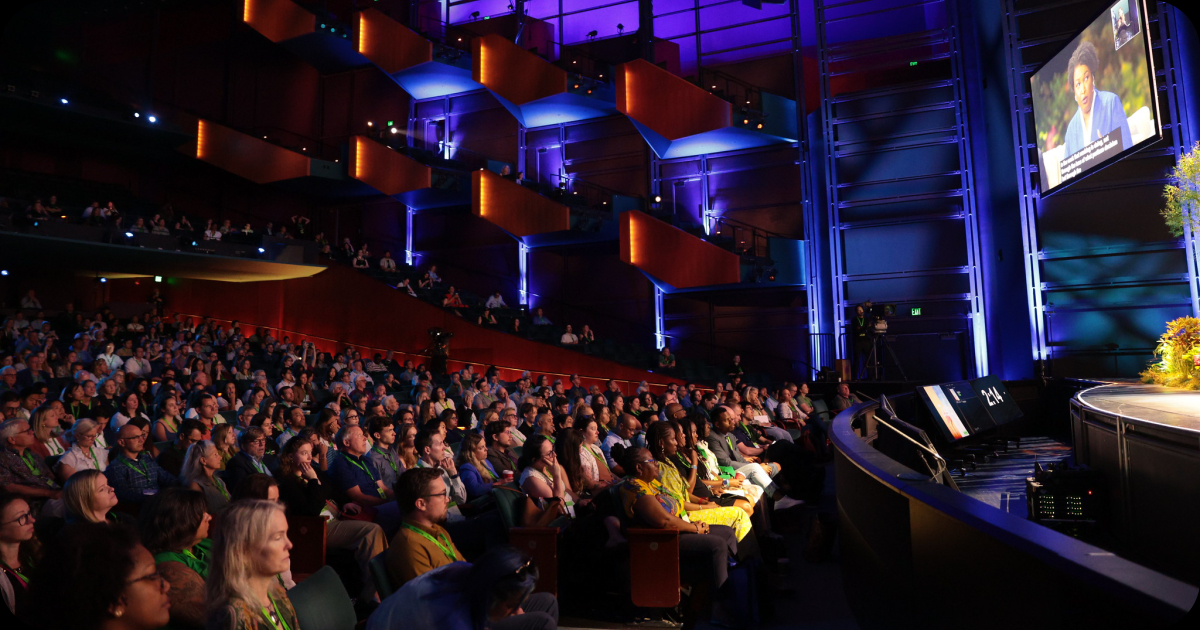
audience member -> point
(250, 550)
(22, 471)
(87, 497)
(18, 555)
(199, 472)
(133, 472)
(111, 579)
(251, 458)
(174, 527)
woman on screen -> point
(1099, 112)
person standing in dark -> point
(860, 334)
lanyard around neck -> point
(446, 548)
(282, 622)
(352, 460)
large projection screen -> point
(1095, 101)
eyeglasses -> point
(21, 520)
(156, 576)
(445, 494)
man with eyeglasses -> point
(133, 473)
(22, 471)
(252, 459)
(422, 544)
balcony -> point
(679, 119)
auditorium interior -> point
(862, 234)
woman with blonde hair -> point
(43, 422)
(200, 465)
(86, 454)
(250, 550)
(87, 497)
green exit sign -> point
(916, 310)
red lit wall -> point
(389, 44)
(257, 160)
(514, 73)
(515, 208)
(667, 104)
(328, 309)
(278, 20)
(385, 170)
(674, 256)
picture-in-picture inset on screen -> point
(1094, 101)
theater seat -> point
(379, 573)
(307, 534)
(653, 567)
(542, 544)
(321, 602)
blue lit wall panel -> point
(907, 289)
(732, 14)
(674, 25)
(738, 36)
(755, 52)
(908, 247)
(486, 8)
(576, 26)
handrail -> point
(747, 96)
(1135, 584)
(594, 195)
(759, 239)
(569, 57)
(297, 142)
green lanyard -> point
(683, 460)
(395, 468)
(128, 463)
(220, 485)
(92, 452)
(30, 462)
(282, 622)
(21, 577)
(350, 458)
(446, 548)
(732, 448)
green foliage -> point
(1183, 194)
(1178, 353)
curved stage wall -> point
(1146, 441)
(919, 554)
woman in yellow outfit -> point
(662, 443)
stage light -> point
(395, 130)
(152, 119)
(714, 87)
(137, 115)
(63, 101)
(746, 121)
(657, 198)
(103, 280)
(303, 148)
(194, 244)
(760, 125)
(322, 26)
(460, 39)
(3, 272)
(158, 278)
(592, 35)
(370, 124)
(474, 15)
(262, 250)
(620, 28)
(129, 235)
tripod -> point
(873, 362)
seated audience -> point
(476, 472)
(171, 458)
(306, 491)
(382, 432)
(844, 399)
(357, 481)
(174, 527)
(250, 550)
(18, 555)
(662, 443)
(133, 473)
(22, 471)
(422, 544)
(251, 459)
(44, 422)
(87, 497)
(111, 579)
(596, 473)
(85, 454)
(432, 453)
(500, 453)
(495, 592)
(199, 472)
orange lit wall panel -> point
(514, 73)
(389, 44)
(669, 254)
(385, 170)
(257, 160)
(667, 104)
(316, 308)
(515, 208)
(278, 20)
